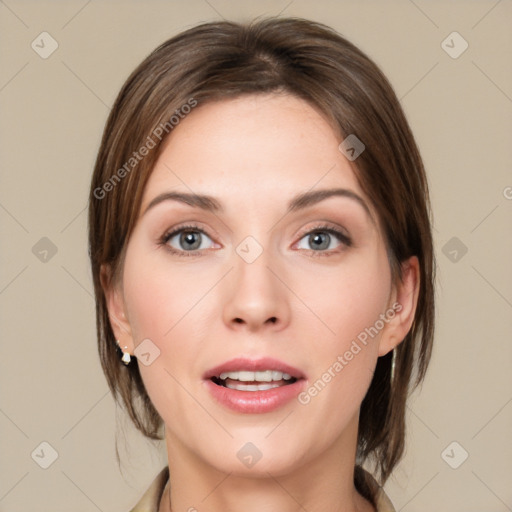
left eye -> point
(320, 240)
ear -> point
(116, 309)
(404, 299)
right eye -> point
(186, 239)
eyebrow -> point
(299, 202)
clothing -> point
(150, 501)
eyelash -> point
(322, 228)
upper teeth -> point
(266, 376)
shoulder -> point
(150, 501)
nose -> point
(256, 296)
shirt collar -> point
(150, 501)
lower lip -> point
(255, 402)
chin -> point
(254, 456)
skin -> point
(253, 154)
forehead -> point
(258, 149)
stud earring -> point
(126, 355)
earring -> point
(126, 355)
(393, 363)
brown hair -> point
(221, 60)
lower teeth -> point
(252, 387)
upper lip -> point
(254, 365)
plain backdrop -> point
(53, 109)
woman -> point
(262, 259)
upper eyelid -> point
(325, 225)
(190, 226)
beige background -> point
(53, 112)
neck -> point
(323, 483)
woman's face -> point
(264, 274)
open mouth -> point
(253, 381)
(254, 386)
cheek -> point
(160, 307)
(164, 304)
(349, 304)
(347, 301)
(157, 297)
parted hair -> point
(222, 60)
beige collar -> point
(150, 501)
